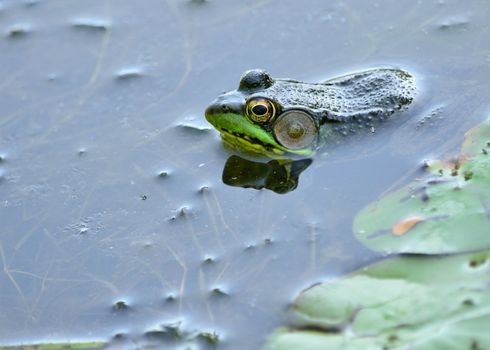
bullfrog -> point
(273, 117)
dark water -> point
(114, 218)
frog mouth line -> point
(245, 140)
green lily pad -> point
(412, 302)
(447, 211)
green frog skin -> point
(276, 116)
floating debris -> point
(90, 224)
(170, 331)
(203, 189)
(268, 241)
(478, 260)
(193, 125)
(184, 212)
(91, 24)
(120, 337)
(177, 334)
(198, 129)
(453, 24)
(19, 30)
(250, 247)
(209, 260)
(163, 174)
(404, 226)
(120, 305)
(129, 73)
(210, 338)
(219, 292)
(171, 298)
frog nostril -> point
(225, 108)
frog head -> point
(259, 119)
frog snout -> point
(217, 107)
(226, 104)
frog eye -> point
(295, 129)
(260, 110)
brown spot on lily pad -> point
(404, 226)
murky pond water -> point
(114, 217)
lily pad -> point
(411, 302)
(447, 211)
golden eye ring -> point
(260, 110)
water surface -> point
(114, 217)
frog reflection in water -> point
(278, 117)
(278, 175)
